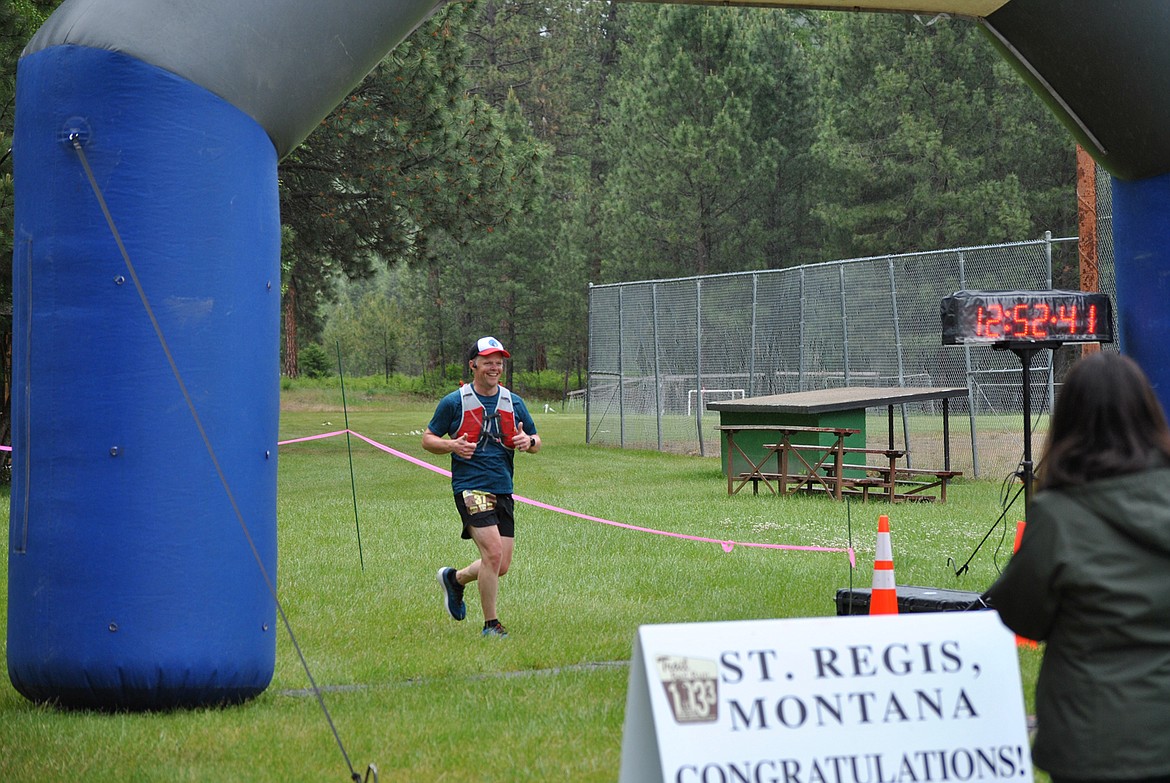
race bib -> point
(478, 502)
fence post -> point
(967, 366)
(800, 348)
(897, 326)
(621, 388)
(588, 358)
(844, 323)
(1051, 353)
(898, 350)
(752, 346)
(699, 363)
(657, 372)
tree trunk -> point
(386, 355)
(291, 370)
(1087, 228)
(510, 333)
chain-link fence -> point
(660, 350)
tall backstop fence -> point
(661, 350)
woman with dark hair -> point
(1092, 579)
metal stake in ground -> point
(349, 448)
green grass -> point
(425, 698)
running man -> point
(484, 424)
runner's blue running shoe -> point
(452, 593)
(496, 631)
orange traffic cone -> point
(883, 599)
(1020, 640)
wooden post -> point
(1087, 227)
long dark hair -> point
(1107, 422)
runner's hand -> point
(462, 447)
(521, 441)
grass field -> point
(425, 698)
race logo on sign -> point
(692, 687)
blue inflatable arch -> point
(131, 583)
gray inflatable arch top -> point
(285, 63)
(130, 584)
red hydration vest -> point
(472, 423)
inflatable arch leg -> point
(131, 583)
(1141, 247)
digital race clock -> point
(1026, 317)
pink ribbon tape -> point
(726, 545)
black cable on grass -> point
(75, 140)
(1007, 505)
(349, 448)
(963, 568)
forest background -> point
(509, 154)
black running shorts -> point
(485, 509)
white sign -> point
(911, 698)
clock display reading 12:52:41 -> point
(1026, 317)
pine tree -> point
(701, 139)
(407, 155)
(537, 63)
(927, 140)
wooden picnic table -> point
(818, 440)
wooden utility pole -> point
(1087, 227)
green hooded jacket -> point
(1092, 580)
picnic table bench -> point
(807, 467)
